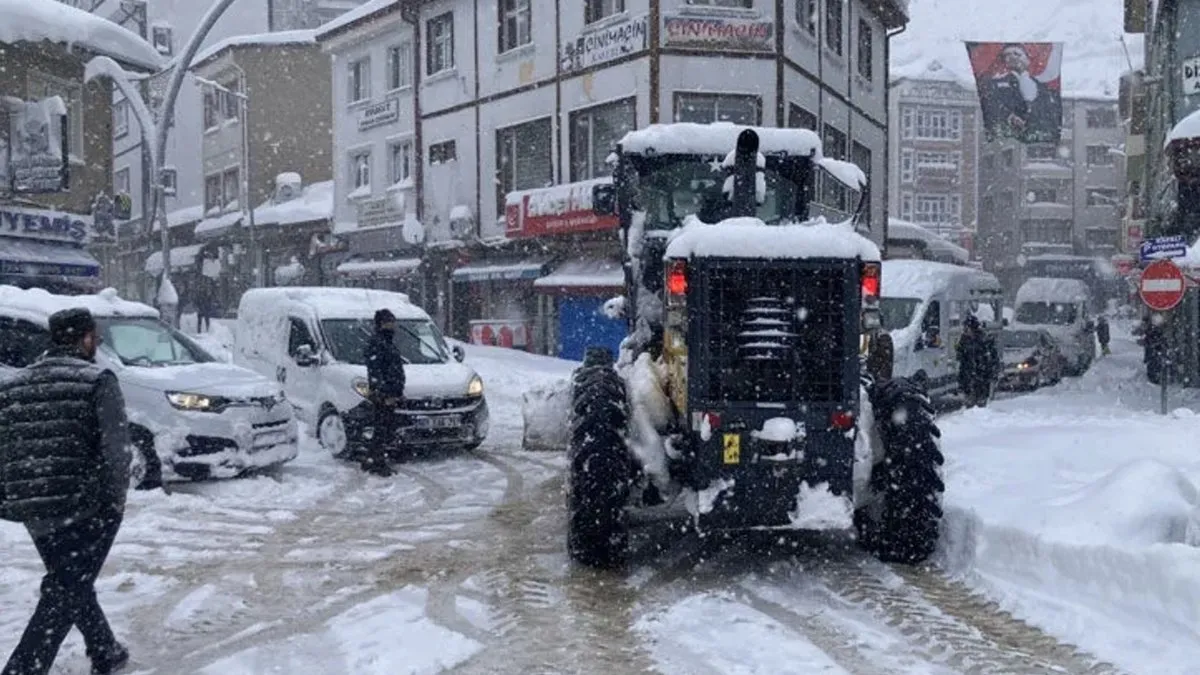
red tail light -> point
(842, 420)
(871, 280)
(677, 277)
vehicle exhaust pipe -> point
(745, 175)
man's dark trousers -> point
(386, 422)
(73, 557)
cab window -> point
(299, 335)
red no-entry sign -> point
(1162, 285)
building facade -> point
(1044, 200)
(934, 140)
(443, 110)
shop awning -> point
(384, 269)
(590, 273)
(38, 258)
(514, 271)
(182, 258)
(215, 227)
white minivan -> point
(312, 340)
(922, 306)
(1061, 308)
(190, 415)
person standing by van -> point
(1103, 335)
(385, 379)
(978, 363)
(64, 473)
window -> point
(121, 181)
(360, 170)
(230, 104)
(161, 38)
(866, 50)
(400, 161)
(834, 22)
(908, 171)
(120, 111)
(937, 124)
(906, 206)
(799, 118)
(1008, 158)
(1099, 155)
(515, 20)
(806, 15)
(908, 122)
(440, 56)
(44, 86)
(359, 81)
(399, 72)
(722, 3)
(594, 134)
(523, 158)
(937, 209)
(595, 10)
(212, 194)
(1041, 152)
(1006, 201)
(1103, 197)
(833, 193)
(1046, 231)
(441, 153)
(708, 108)
(299, 336)
(861, 156)
(230, 187)
(1043, 196)
(1101, 118)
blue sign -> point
(39, 224)
(1157, 248)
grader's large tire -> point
(903, 525)
(599, 475)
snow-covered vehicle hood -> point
(1014, 355)
(214, 379)
(445, 380)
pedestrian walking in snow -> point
(978, 363)
(385, 379)
(1103, 335)
(64, 472)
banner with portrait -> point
(33, 151)
(1020, 89)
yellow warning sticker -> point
(733, 448)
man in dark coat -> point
(1103, 335)
(385, 379)
(978, 363)
(64, 472)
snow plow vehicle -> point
(754, 387)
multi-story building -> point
(934, 141)
(1053, 200)
(55, 144)
(443, 110)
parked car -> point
(1061, 307)
(190, 416)
(1031, 359)
(311, 340)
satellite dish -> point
(413, 231)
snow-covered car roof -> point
(752, 238)
(718, 138)
(38, 20)
(1045, 289)
(334, 303)
(922, 278)
(37, 304)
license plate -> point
(439, 422)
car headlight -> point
(186, 401)
(361, 387)
(476, 387)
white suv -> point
(191, 416)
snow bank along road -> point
(457, 565)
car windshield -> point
(669, 192)
(419, 341)
(149, 343)
(1021, 339)
(897, 313)
(1051, 313)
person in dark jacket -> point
(978, 363)
(1103, 335)
(64, 473)
(385, 379)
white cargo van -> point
(311, 340)
(1061, 308)
(922, 306)
(190, 415)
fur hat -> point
(68, 326)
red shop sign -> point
(561, 209)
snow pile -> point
(779, 430)
(38, 20)
(752, 238)
(847, 173)
(817, 508)
(278, 38)
(36, 304)
(1187, 129)
(167, 295)
(1044, 289)
(650, 414)
(701, 502)
(315, 203)
(717, 139)
(546, 414)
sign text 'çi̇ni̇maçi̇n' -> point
(606, 44)
(1191, 76)
(721, 33)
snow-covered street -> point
(1070, 519)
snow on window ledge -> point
(401, 185)
(713, 10)
(516, 52)
(605, 22)
(360, 192)
(447, 74)
(360, 103)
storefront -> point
(45, 249)
(572, 301)
(494, 299)
(385, 250)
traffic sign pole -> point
(1162, 288)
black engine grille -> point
(775, 335)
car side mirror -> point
(305, 357)
(604, 200)
(459, 353)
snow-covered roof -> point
(923, 278)
(381, 268)
(332, 303)
(938, 246)
(717, 139)
(37, 304)
(38, 20)
(590, 273)
(1045, 289)
(283, 37)
(217, 223)
(314, 203)
(1093, 56)
(930, 70)
(354, 16)
(752, 238)
(1187, 129)
(181, 256)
